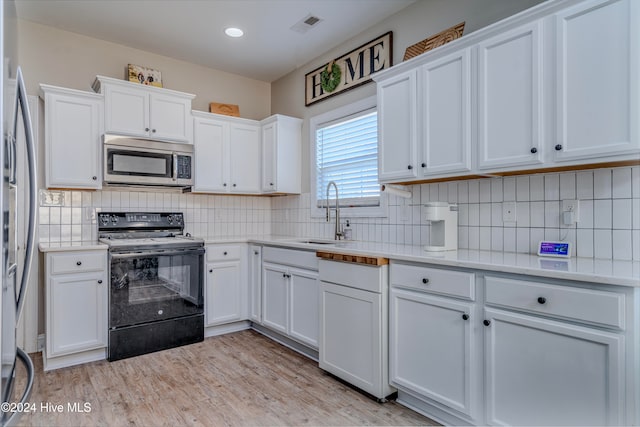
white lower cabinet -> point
(544, 372)
(555, 352)
(76, 298)
(433, 348)
(290, 294)
(225, 288)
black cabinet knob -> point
(224, 185)
(409, 167)
(256, 253)
(534, 150)
(486, 322)
(424, 165)
(100, 281)
(271, 184)
(425, 280)
(224, 253)
(234, 185)
(79, 263)
(146, 129)
(558, 147)
(211, 270)
(465, 316)
(542, 300)
(153, 130)
(94, 178)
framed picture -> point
(145, 76)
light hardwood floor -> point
(240, 379)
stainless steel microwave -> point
(132, 161)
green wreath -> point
(330, 77)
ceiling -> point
(193, 30)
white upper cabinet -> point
(145, 111)
(446, 115)
(597, 73)
(554, 86)
(227, 154)
(398, 127)
(73, 124)
(509, 94)
(281, 151)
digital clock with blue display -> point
(554, 249)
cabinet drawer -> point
(224, 252)
(360, 276)
(292, 257)
(434, 280)
(586, 305)
(77, 262)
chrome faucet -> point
(338, 232)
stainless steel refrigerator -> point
(15, 269)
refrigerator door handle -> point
(21, 100)
(27, 391)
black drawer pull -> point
(211, 271)
(409, 167)
(534, 150)
(558, 147)
(486, 322)
(225, 252)
(100, 281)
(465, 316)
(79, 263)
(542, 300)
(425, 280)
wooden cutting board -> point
(357, 259)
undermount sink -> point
(316, 241)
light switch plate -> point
(572, 206)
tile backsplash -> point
(608, 226)
(205, 215)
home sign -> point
(350, 70)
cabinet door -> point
(170, 117)
(76, 313)
(275, 289)
(597, 55)
(269, 176)
(509, 98)
(255, 283)
(244, 155)
(350, 334)
(73, 125)
(209, 149)
(446, 124)
(432, 349)
(304, 316)
(126, 111)
(543, 372)
(223, 293)
(397, 127)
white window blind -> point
(347, 153)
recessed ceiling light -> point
(233, 32)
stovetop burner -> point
(143, 230)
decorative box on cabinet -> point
(73, 124)
(281, 151)
(145, 111)
(76, 307)
(226, 294)
(227, 154)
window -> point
(345, 151)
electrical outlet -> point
(508, 211)
(570, 212)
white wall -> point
(66, 59)
(409, 26)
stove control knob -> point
(169, 219)
(178, 218)
(104, 219)
(114, 219)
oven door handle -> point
(168, 252)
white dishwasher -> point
(353, 342)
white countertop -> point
(601, 271)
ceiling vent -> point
(306, 23)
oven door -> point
(155, 285)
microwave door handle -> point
(175, 167)
(21, 98)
